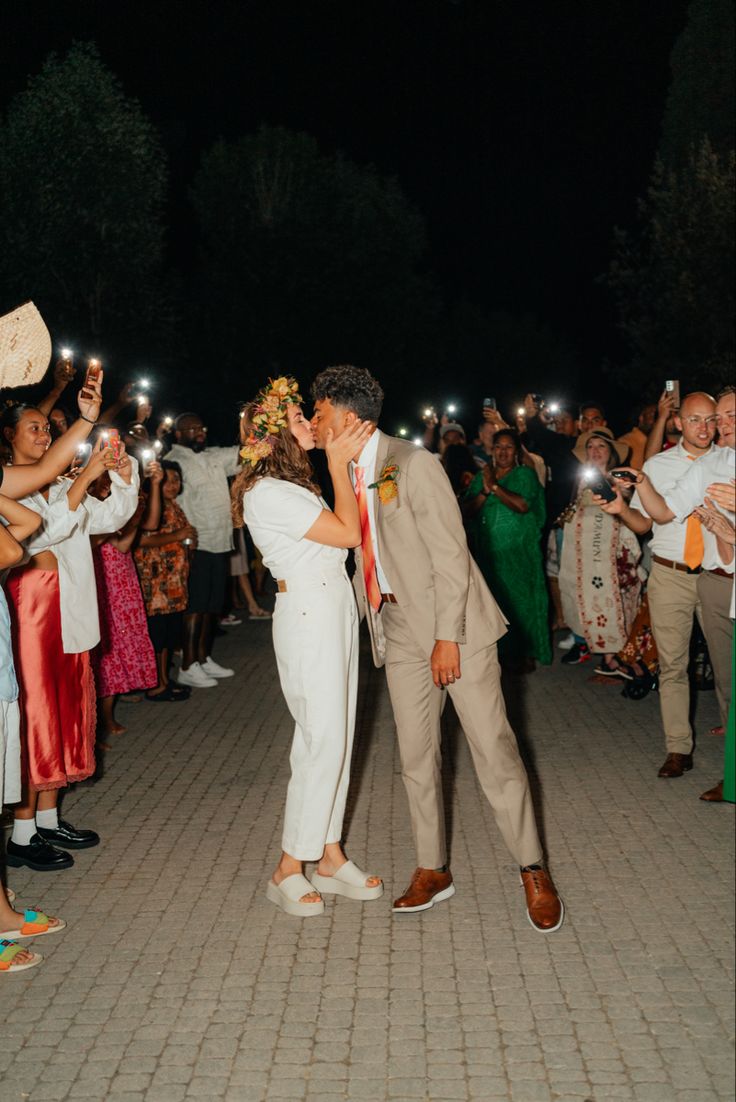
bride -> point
(315, 634)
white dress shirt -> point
(719, 465)
(67, 533)
(664, 471)
(367, 460)
(205, 495)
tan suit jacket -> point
(424, 554)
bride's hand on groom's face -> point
(350, 442)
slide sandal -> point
(9, 950)
(287, 894)
(35, 924)
(349, 881)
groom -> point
(434, 625)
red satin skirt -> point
(57, 691)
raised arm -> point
(655, 440)
(341, 526)
(63, 375)
(25, 479)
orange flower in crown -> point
(269, 417)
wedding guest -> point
(55, 624)
(162, 561)
(124, 659)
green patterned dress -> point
(507, 548)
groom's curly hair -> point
(353, 388)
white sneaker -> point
(196, 677)
(229, 621)
(211, 669)
(566, 642)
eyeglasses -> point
(695, 420)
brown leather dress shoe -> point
(675, 765)
(713, 795)
(545, 910)
(427, 888)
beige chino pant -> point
(714, 592)
(417, 705)
(673, 600)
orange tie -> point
(370, 577)
(693, 554)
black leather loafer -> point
(67, 835)
(38, 855)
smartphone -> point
(113, 441)
(93, 372)
(672, 386)
(624, 476)
(489, 403)
(595, 481)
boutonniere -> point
(386, 482)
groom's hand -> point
(445, 663)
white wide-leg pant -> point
(315, 635)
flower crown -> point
(269, 417)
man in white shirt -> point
(715, 583)
(677, 557)
(205, 499)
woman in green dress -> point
(505, 504)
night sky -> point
(524, 132)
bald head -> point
(698, 397)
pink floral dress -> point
(124, 659)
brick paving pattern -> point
(176, 979)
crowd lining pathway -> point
(176, 979)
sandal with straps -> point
(9, 950)
(35, 924)
(349, 881)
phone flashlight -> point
(147, 455)
(157, 445)
(452, 408)
(144, 384)
(554, 407)
(66, 353)
(418, 441)
(520, 411)
(168, 421)
(187, 542)
(428, 411)
(82, 454)
(403, 432)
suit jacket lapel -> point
(381, 457)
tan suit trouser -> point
(478, 700)
(715, 602)
(673, 600)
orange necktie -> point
(693, 554)
(694, 547)
(370, 577)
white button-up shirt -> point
(719, 465)
(664, 471)
(67, 533)
(367, 460)
(205, 497)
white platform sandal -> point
(349, 881)
(287, 894)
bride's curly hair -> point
(287, 461)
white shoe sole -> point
(210, 684)
(446, 893)
(221, 676)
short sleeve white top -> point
(279, 514)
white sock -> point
(23, 831)
(49, 820)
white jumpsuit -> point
(315, 636)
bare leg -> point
(333, 857)
(554, 592)
(108, 723)
(289, 866)
(190, 642)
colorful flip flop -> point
(9, 950)
(35, 924)
(349, 881)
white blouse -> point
(67, 533)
